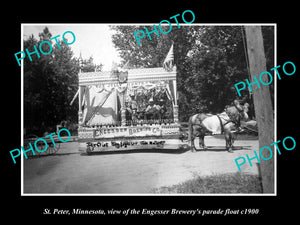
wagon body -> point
(128, 109)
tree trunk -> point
(262, 104)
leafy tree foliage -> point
(209, 60)
(88, 65)
(50, 83)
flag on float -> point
(125, 67)
(74, 97)
(169, 60)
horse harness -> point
(222, 126)
(218, 116)
(227, 121)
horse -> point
(202, 124)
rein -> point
(222, 126)
(226, 121)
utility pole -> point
(262, 103)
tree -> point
(217, 62)
(209, 60)
(50, 83)
(88, 65)
(152, 53)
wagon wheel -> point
(29, 139)
(26, 146)
(89, 149)
(41, 146)
(53, 149)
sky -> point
(91, 40)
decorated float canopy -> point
(129, 109)
(128, 97)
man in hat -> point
(152, 110)
(163, 108)
(133, 103)
(133, 107)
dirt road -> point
(129, 172)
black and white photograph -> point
(144, 109)
(150, 111)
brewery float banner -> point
(138, 131)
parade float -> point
(126, 109)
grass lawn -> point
(225, 183)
